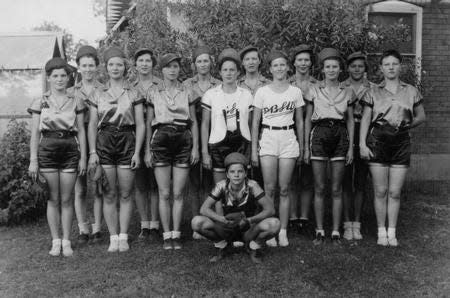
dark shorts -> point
(171, 145)
(390, 148)
(145, 177)
(233, 142)
(116, 147)
(329, 140)
(59, 153)
(356, 174)
(306, 177)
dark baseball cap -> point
(142, 51)
(165, 60)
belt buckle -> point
(60, 134)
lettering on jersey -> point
(231, 111)
(44, 105)
(276, 110)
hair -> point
(338, 59)
(125, 73)
(393, 53)
(66, 68)
(228, 59)
(366, 66)
(228, 167)
(97, 62)
(259, 57)
(311, 57)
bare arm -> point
(207, 210)
(206, 120)
(267, 210)
(364, 130)
(419, 116)
(300, 130)
(92, 137)
(255, 133)
(140, 135)
(350, 122)
(148, 137)
(34, 143)
(308, 127)
(82, 139)
(194, 129)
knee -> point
(320, 189)
(380, 192)
(284, 191)
(164, 194)
(336, 191)
(53, 203)
(394, 194)
(269, 189)
(110, 197)
(178, 196)
(125, 195)
(197, 223)
(272, 225)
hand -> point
(195, 156)
(307, 156)
(349, 157)
(135, 161)
(206, 161)
(255, 160)
(365, 152)
(33, 170)
(148, 157)
(81, 167)
(300, 157)
(93, 162)
(244, 224)
(234, 219)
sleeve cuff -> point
(418, 103)
(195, 101)
(213, 197)
(89, 102)
(81, 111)
(205, 106)
(138, 102)
(261, 195)
(365, 103)
(31, 111)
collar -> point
(155, 81)
(49, 92)
(293, 79)
(195, 79)
(126, 85)
(261, 78)
(365, 82)
(162, 86)
(321, 84)
(79, 84)
(242, 196)
(383, 84)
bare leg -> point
(337, 175)
(285, 169)
(396, 180)
(66, 185)
(110, 202)
(162, 175)
(320, 177)
(53, 211)
(380, 179)
(81, 204)
(180, 176)
(126, 183)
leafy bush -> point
(21, 200)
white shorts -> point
(280, 143)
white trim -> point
(395, 6)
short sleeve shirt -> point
(397, 109)
(262, 81)
(116, 110)
(363, 88)
(57, 115)
(278, 108)
(304, 87)
(137, 84)
(327, 107)
(193, 84)
(79, 91)
(245, 200)
(170, 109)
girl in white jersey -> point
(278, 104)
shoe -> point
(392, 242)
(357, 231)
(255, 256)
(176, 243)
(238, 244)
(67, 249)
(113, 245)
(123, 245)
(293, 223)
(272, 242)
(154, 234)
(319, 240)
(197, 236)
(83, 238)
(145, 234)
(221, 253)
(348, 230)
(167, 244)
(383, 241)
(56, 248)
(283, 240)
(97, 237)
(336, 240)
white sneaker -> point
(283, 240)
(66, 248)
(383, 241)
(197, 236)
(238, 244)
(392, 242)
(357, 231)
(272, 242)
(113, 244)
(56, 248)
(348, 231)
(123, 245)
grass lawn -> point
(419, 267)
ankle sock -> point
(382, 232)
(96, 227)
(283, 232)
(254, 245)
(391, 233)
(322, 232)
(123, 236)
(221, 244)
(145, 224)
(114, 238)
(167, 235)
(176, 234)
(335, 233)
(84, 227)
(154, 224)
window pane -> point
(389, 19)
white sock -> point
(381, 231)
(391, 233)
(84, 227)
(167, 235)
(123, 236)
(96, 228)
(335, 233)
(176, 234)
(221, 244)
(154, 224)
(114, 238)
(282, 232)
(145, 224)
(321, 232)
(56, 242)
(253, 245)
(65, 242)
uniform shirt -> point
(79, 91)
(193, 84)
(397, 109)
(246, 200)
(363, 88)
(137, 84)
(326, 107)
(305, 90)
(57, 116)
(170, 109)
(278, 108)
(218, 102)
(262, 81)
(116, 111)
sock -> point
(123, 236)
(321, 232)
(221, 244)
(96, 227)
(56, 242)
(167, 235)
(253, 245)
(391, 233)
(293, 218)
(176, 234)
(304, 218)
(84, 227)
(65, 242)
(145, 224)
(154, 224)
(335, 233)
(282, 232)
(381, 232)
(114, 238)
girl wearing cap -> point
(87, 61)
(58, 150)
(145, 62)
(171, 144)
(279, 105)
(116, 133)
(252, 79)
(329, 137)
(356, 173)
(391, 109)
(199, 84)
(303, 61)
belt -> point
(278, 127)
(59, 134)
(390, 129)
(113, 128)
(329, 122)
(178, 127)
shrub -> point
(21, 200)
